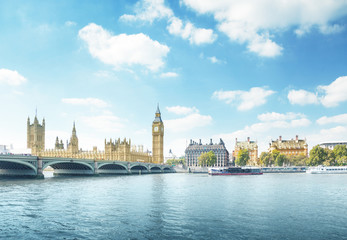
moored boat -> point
(327, 170)
(235, 171)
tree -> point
(330, 157)
(176, 161)
(207, 159)
(242, 157)
(342, 161)
(265, 158)
(317, 156)
(274, 154)
(299, 160)
(281, 159)
(340, 151)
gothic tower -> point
(158, 138)
(73, 145)
(36, 136)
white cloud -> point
(335, 93)
(188, 122)
(85, 102)
(250, 21)
(104, 123)
(330, 29)
(264, 47)
(340, 119)
(334, 134)
(273, 116)
(302, 97)
(123, 50)
(10, 77)
(148, 11)
(168, 75)
(213, 59)
(329, 95)
(70, 23)
(181, 110)
(188, 31)
(245, 100)
(105, 74)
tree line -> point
(317, 156)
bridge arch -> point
(112, 164)
(70, 167)
(16, 167)
(167, 169)
(139, 168)
(112, 168)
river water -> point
(175, 206)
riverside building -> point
(252, 148)
(194, 150)
(115, 150)
(293, 147)
(331, 145)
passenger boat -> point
(235, 171)
(327, 170)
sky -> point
(217, 68)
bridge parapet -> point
(34, 165)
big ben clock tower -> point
(158, 138)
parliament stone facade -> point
(115, 150)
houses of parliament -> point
(117, 150)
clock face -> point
(155, 129)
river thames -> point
(176, 206)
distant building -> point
(4, 149)
(170, 155)
(194, 150)
(293, 147)
(252, 148)
(331, 145)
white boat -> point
(327, 170)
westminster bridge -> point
(24, 165)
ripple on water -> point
(175, 206)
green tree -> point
(317, 156)
(330, 157)
(340, 151)
(281, 160)
(274, 154)
(207, 159)
(342, 161)
(265, 158)
(300, 160)
(176, 161)
(242, 157)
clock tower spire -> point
(158, 138)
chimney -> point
(211, 141)
(297, 137)
(200, 142)
(235, 140)
(247, 139)
(280, 138)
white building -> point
(331, 145)
(4, 149)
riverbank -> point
(295, 169)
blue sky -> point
(219, 69)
